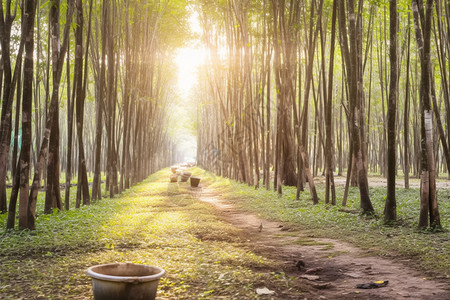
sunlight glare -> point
(188, 60)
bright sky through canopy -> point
(188, 60)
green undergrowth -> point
(426, 250)
(156, 223)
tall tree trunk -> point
(70, 109)
(111, 104)
(31, 210)
(268, 134)
(83, 186)
(8, 104)
(406, 109)
(53, 193)
(353, 62)
(124, 174)
(329, 178)
(6, 21)
(16, 180)
(100, 106)
(390, 208)
(428, 197)
(25, 158)
(441, 50)
(16, 127)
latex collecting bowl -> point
(125, 281)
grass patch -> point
(154, 223)
(311, 242)
(334, 254)
(429, 250)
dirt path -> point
(332, 269)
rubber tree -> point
(7, 18)
(390, 209)
(39, 166)
(352, 51)
(429, 212)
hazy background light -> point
(188, 59)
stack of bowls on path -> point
(185, 176)
(195, 181)
(174, 175)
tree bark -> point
(6, 21)
(53, 193)
(31, 210)
(353, 64)
(25, 158)
(329, 178)
(407, 110)
(70, 109)
(428, 199)
(83, 186)
(100, 106)
(390, 208)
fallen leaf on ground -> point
(352, 275)
(310, 277)
(264, 291)
(313, 270)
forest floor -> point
(329, 267)
(378, 181)
(212, 246)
